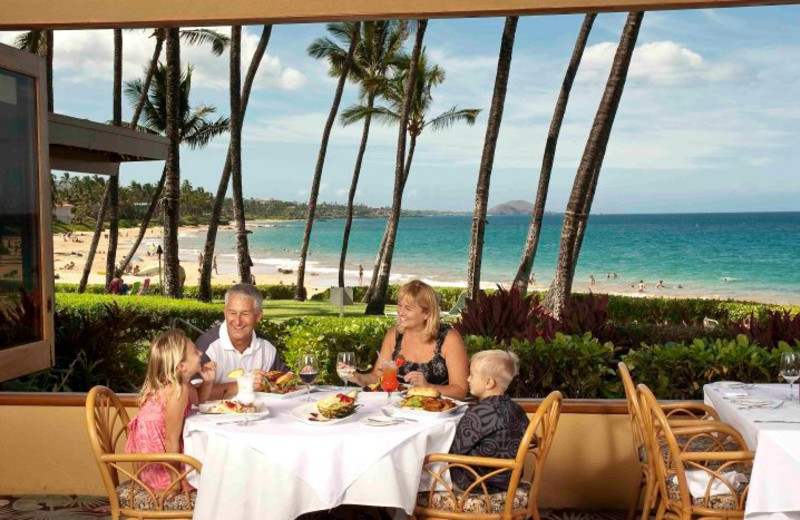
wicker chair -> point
(725, 451)
(677, 413)
(107, 422)
(443, 501)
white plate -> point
(303, 414)
(301, 390)
(731, 384)
(260, 406)
(415, 413)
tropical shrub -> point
(327, 336)
(771, 329)
(679, 370)
(586, 313)
(270, 292)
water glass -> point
(309, 370)
(790, 370)
(346, 366)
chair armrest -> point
(469, 460)
(691, 408)
(153, 457)
(714, 428)
(718, 456)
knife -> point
(254, 419)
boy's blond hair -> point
(422, 294)
(166, 353)
(500, 365)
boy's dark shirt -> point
(492, 428)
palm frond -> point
(219, 42)
(452, 116)
(323, 47)
(34, 42)
(207, 130)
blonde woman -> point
(426, 351)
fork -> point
(387, 413)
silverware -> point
(777, 421)
(387, 413)
(252, 419)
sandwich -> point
(279, 382)
(426, 398)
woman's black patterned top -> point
(492, 428)
(435, 370)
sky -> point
(709, 120)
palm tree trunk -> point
(487, 158)
(535, 227)
(376, 269)
(113, 197)
(353, 185)
(204, 293)
(235, 150)
(151, 69)
(145, 221)
(49, 57)
(300, 290)
(377, 301)
(98, 229)
(172, 183)
(591, 162)
(587, 209)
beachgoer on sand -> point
(215, 265)
(641, 285)
(591, 279)
(360, 274)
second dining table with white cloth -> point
(280, 467)
(770, 426)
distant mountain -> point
(514, 207)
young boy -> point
(494, 427)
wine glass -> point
(389, 381)
(346, 366)
(309, 369)
(790, 370)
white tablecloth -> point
(280, 467)
(775, 481)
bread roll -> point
(423, 391)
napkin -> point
(735, 393)
(698, 482)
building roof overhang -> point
(80, 145)
(96, 14)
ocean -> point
(731, 255)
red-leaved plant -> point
(774, 327)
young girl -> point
(165, 400)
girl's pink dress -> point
(147, 433)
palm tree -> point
(204, 293)
(535, 227)
(487, 158)
(320, 49)
(582, 194)
(218, 42)
(426, 76)
(172, 184)
(235, 153)
(379, 46)
(113, 182)
(98, 229)
(40, 42)
(195, 129)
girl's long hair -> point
(166, 353)
(422, 294)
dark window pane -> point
(20, 248)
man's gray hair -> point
(245, 290)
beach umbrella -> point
(137, 259)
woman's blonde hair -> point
(500, 365)
(167, 351)
(420, 293)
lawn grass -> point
(280, 310)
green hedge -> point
(104, 339)
(448, 295)
(270, 292)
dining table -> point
(283, 465)
(770, 425)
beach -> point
(438, 257)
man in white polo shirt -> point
(234, 344)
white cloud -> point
(87, 56)
(658, 63)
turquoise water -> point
(747, 255)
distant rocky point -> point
(514, 207)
